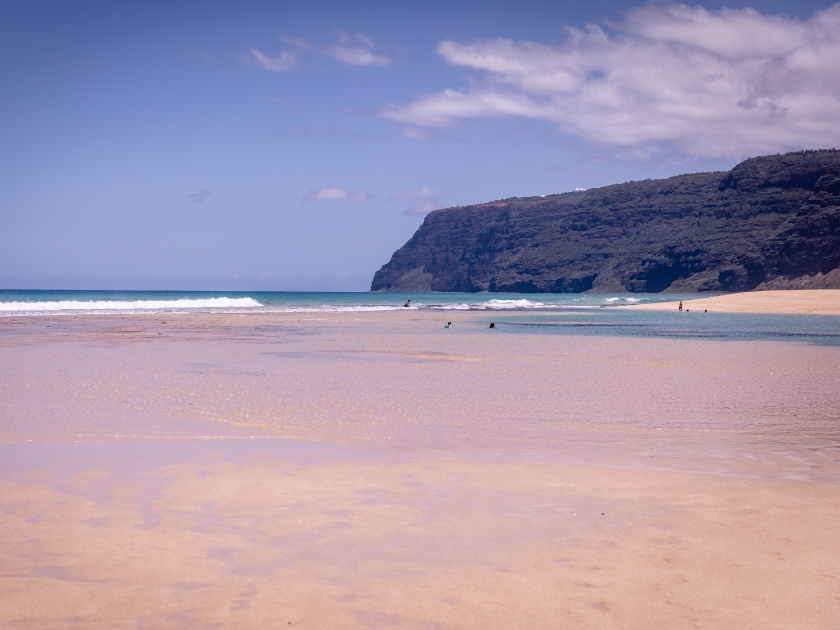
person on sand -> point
(407, 302)
(681, 305)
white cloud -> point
(417, 133)
(722, 83)
(299, 42)
(422, 201)
(367, 41)
(357, 56)
(356, 50)
(445, 108)
(336, 193)
(285, 62)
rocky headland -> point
(770, 223)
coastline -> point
(788, 302)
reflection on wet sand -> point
(403, 475)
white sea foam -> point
(513, 304)
(496, 305)
(135, 305)
(493, 305)
(248, 303)
(451, 307)
(339, 309)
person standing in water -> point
(680, 304)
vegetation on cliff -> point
(770, 219)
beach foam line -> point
(489, 305)
(135, 305)
(338, 309)
(248, 303)
(523, 304)
(415, 307)
(492, 305)
(497, 305)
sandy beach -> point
(804, 302)
(374, 470)
(420, 315)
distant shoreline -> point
(792, 302)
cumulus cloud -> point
(722, 83)
(336, 193)
(285, 62)
(422, 201)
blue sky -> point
(294, 147)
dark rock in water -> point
(769, 219)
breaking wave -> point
(292, 303)
(491, 305)
(135, 305)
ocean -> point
(34, 302)
(563, 314)
(822, 330)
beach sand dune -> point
(805, 302)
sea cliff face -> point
(769, 219)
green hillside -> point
(769, 219)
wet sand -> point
(804, 302)
(376, 470)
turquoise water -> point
(27, 302)
(816, 329)
(560, 314)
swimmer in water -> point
(407, 302)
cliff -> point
(769, 221)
